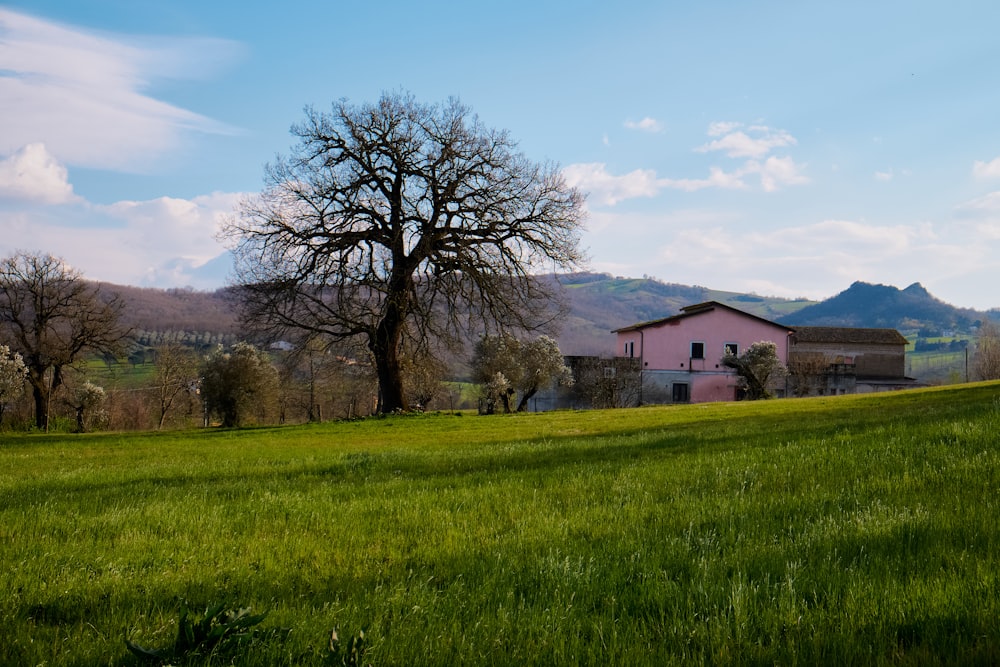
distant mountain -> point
(867, 305)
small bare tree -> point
(423, 375)
(987, 357)
(176, 376)
(807, 372)
(606, 382)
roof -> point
(696, 309)
(848, 335)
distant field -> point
(850, 530)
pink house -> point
(681, 356)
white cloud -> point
(717, 178)
(884, 176)
(773, 172)
(755, 142)
(981, 216)
(986, 170)
(594, 178)
(987, 206)
(647, 124)
(776, 172)
(609, 189)
(171, 230)
(82, 93)
(720, 128)
(727, 251)
(32, 174)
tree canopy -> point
(237, 383)
(509, 368)
(13, 375)
(402, 224)
(758, 368)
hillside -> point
(599, 303)
(151, 309)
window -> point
(681, 392)
(731, 349)
(630, 349)
(697, 350)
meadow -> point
(848, 530)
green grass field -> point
(850, 530)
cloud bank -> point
(84, 95)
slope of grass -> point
(851, 530)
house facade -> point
(680, 357)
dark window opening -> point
(697, 350)
(681, 392)
(731, 349)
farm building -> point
(841, 360)
(680, 357)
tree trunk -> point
(40, 393)
(523, 405)
(384, 346)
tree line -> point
(66, 339)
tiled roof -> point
(695, 309)
(848, 335)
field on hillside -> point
(849, 530)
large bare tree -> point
(54, 318)
(401, 222)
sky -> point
(775, 147)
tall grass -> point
(855, 530)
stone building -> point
(827, 361)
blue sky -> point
(782, 148)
